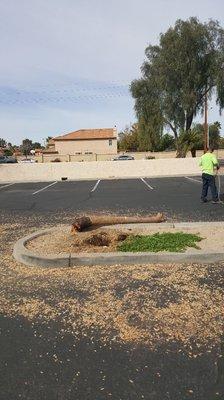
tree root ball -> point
(98, 239)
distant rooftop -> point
(87, 134)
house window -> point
(110, 142)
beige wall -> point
(98, 170)
(95, 146)
(108, 157)
(172, 154)
(43, 158)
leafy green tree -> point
(167, 142)
(128, 139)
(214, 135)
(133, 138)
(2, 142)
(36, 145)
(150, 134)
(187, 65)
(191, 140)
(8, 152)
(26, 146)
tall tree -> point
(26, 146)
(132, 138)
(187, 64)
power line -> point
(74, 93)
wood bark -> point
(181, 153)
(189, 121)
(82, 223)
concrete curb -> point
(22, 254)
(25, 256)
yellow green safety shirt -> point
(207, 163)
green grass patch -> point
(173, 242)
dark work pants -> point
(209, 181)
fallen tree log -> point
(82, 223)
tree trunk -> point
(181, 151)
(82, 223)
(189, 121)
(193, 152)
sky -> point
(67, 64)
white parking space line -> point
(45, 187)
(147, 184)
(95, 187)
(9, 184)
(192, 179)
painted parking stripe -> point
(95, 187)
(45, 187)
(147, 184)
(192, 179)
(9, 184)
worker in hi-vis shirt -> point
(209, 165)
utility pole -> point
(206, 132)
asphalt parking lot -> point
(178, 198)
(40, 359)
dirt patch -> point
(61, 241)
(106, 239)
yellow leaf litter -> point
(148, 304)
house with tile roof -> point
(86, 141)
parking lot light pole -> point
(206, 130)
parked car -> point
(123, 157)
(7, 160)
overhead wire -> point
(75, 92)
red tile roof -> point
(87, 134)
